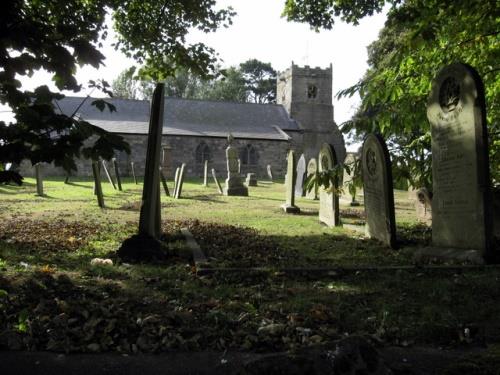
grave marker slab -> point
(133, 172)
(234, 185)
(423, 205)
(180, 182)
(117, 174)
(216, 180)
(176, 179)
(301, 170)
(269, 172)
(378, 190)
(290, 180)
(312, 168)
(104, 166)
(461, 203)
(251, 180)
(328, 200)
(205, 173)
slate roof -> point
(189, 118)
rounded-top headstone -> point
(461, 216)
(328, 200)
(378, 190)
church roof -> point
(186, 117)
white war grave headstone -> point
(378, 190)
(291, 176)
(234, 184)
(299, 182)
(461, 202)
(328, 198)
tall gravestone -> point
(133, 172)
(301, 170)
(290, 179)
(180, 182)
(117, 174)
(176, 178)
(461, 202)
(234, 184)
(205, 173)
(312, 168)
(105, 167)
(39, 179)
(217, 183)
(378, 190)
(150, 216)
(269, 172)
(328, 199)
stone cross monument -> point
(234, 185)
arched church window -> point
(312, 91)
(202, 153)
(249, 155)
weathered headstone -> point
(133, 172)
(217, 183)
(291, 176)
(251, 180)
(239, 166)
(164, 183)
(104, 166)
(423, 205)
(205, 173)
(176, 178)
(150, 216)
(378, 190)
(328, 199)
(301, 170)
(461, 202)
(312, 168)
(97, 184)
(117, 174)
(180, 182)
(269, 172)
(234, 185)
(39, 180)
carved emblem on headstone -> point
(371, 162)
(449, 94)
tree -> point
(419, 38)
(229, 86)
(56, 35)
(260, 79)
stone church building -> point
(197, 130)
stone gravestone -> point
(117, 174)
(461, 202)
(97, 184)
(176, 178)
(39, 179)
(328, 200)
(104, 166)
(290, 179)
(217, 183)
(205, 173)
(269, 172)
(150, 216)
(239, 166)
(423, 205)
(180, 182)
(312, 168)
(234, 185)
(133, 172)
(251, 180)
(301, 171)
(378, 190)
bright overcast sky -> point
(258, 31)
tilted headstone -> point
(291, 176)
(461, 202)
(205, 173)
(234, 184)
(251, 180)
(423, 205)
(104, 166)
(150, 216)
(312, 168)
(164, 183)
(217, 183)
(97, 184)
(176, 178)
(269, 172)
(328, 199)
(378, 190)
(301, 170)
(39, 180)
(180, 182)
(117, 174)
(133, 172)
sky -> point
(259, 31)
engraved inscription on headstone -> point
(461, 216)
(378, 191)
(328, 200)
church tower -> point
(306, 94)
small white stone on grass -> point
(101, 262)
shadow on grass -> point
(80, 185)
(204, 198)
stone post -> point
(103, 163)
(291, 176)
(133, 172)
(117, 174)
(205, 173)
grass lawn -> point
(51, 298)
